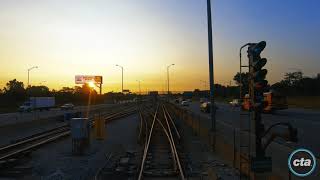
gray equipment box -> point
(79, 128)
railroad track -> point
(14, 151)
(161, 156)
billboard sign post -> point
(83, 79)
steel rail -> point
(45, 134)
(175, 153)
(41, 135)
(34, 145)
(51, 136)
(147, 146)
(175, 128)
(146, 128)
(143, 120)
(37, 134)
(172, 147)
(170, 142)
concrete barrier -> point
(227, 143)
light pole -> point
(139, 81)
(168, 76)
(122, 76)
(210, 49)
(29, 73)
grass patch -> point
(308, 102)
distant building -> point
(153, 95)
(187, 94)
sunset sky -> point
(71, 37)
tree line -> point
(292, 84)
(15, 93)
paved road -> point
(306, 121)
(17, 117)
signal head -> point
(259, 63)
(258, 48)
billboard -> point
(82, 79)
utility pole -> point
(29, 73)
(122, 77)
(211, 74)
(168, 76)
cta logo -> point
(302, 162)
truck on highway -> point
(273, 101)
(37, 103)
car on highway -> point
(202, 100)
(206, 106)
(184, 103)
(235, 102)
(68, 106)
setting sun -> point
(91, 84)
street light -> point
(139, 81)
(211, 74)
(168, 76)
(122, 76)
(34, 67)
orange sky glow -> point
(65, 39)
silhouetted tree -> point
(245, 81)
(294, 84)
(14, 90)
(38, 91)
(292, 78)
(67, 90)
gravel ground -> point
(202, 158)
(20, 130)
(55, 161)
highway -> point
(21, 117)
(306, 121)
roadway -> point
(22, 117)
(306, 121)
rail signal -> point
(258, 74)
(257, 86)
